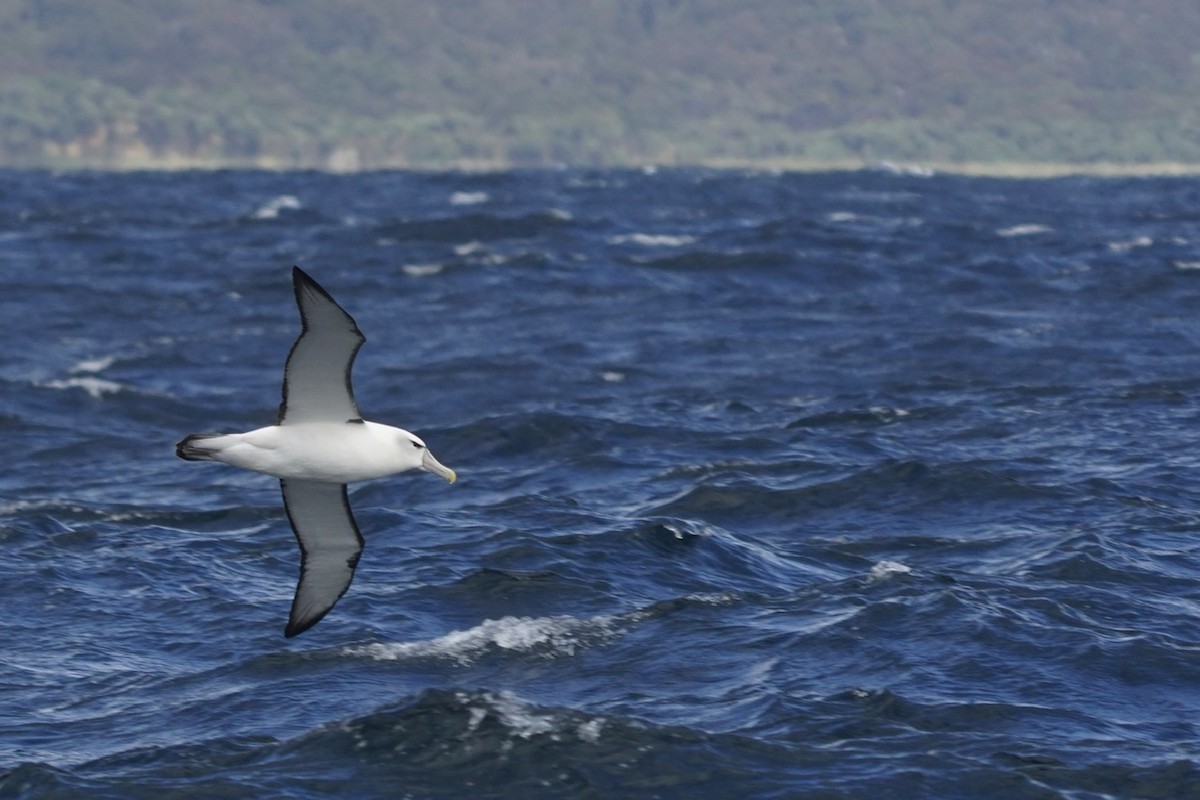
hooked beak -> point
(431, 464)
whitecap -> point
(469, 249)
(96, 387)
(1031, 229)
(421, 270)
(271, 209)
(715, 599)
(885, 569)
(590, 731)
(887, 413)
(1125, 247)
(549, 636)
(523, 720)
(652, 239)
(93, 364)
(468, 198)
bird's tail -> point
(192, 447)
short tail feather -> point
(191, 448)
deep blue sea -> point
(856, 485)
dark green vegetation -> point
(369, 83)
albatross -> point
(319, 444)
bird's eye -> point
(417, 445)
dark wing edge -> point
(330, 546)
(302, 282)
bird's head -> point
(423, 459)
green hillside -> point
(378, 83)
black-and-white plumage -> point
(319, 444)
(312, 387)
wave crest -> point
(549, 637)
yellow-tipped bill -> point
(431, 464)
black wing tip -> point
(300, 277)
(301, 280)
(298, 625)
(303, 283)
(295, 627)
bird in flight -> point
(319, 444)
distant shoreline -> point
(996, 169)
(992, 169)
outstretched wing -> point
(329, 545)
(316, 378)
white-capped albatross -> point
(318, 444)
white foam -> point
(468, 198)
(469, 249)
(1186, 265)
(478, 715)
(271, 209)
(96, 387)
(421, 270)
(652, 239)
(524, 720)
(93, 364)
(1125, 247)
(590, 731)
(549, 636)
(518, 716)
(716, 599)
(887, 413)
(885, 569)
(1031, 229)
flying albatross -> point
(318, 444)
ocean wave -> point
(653, 239)
(891, 486)
(545, 636)
(462, 198)
(97, 388)
(885, 569)
(1028, 229)
(276, 206)
(474, 227)
(772, 485)
(717, 260)
(90, 365)
(451, 742)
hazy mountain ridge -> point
(364, 83)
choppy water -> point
(836, 486)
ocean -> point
(848, 485)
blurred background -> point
(1024, 86)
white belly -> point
(335, 452)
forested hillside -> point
(376, 83)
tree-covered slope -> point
(367, 83)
